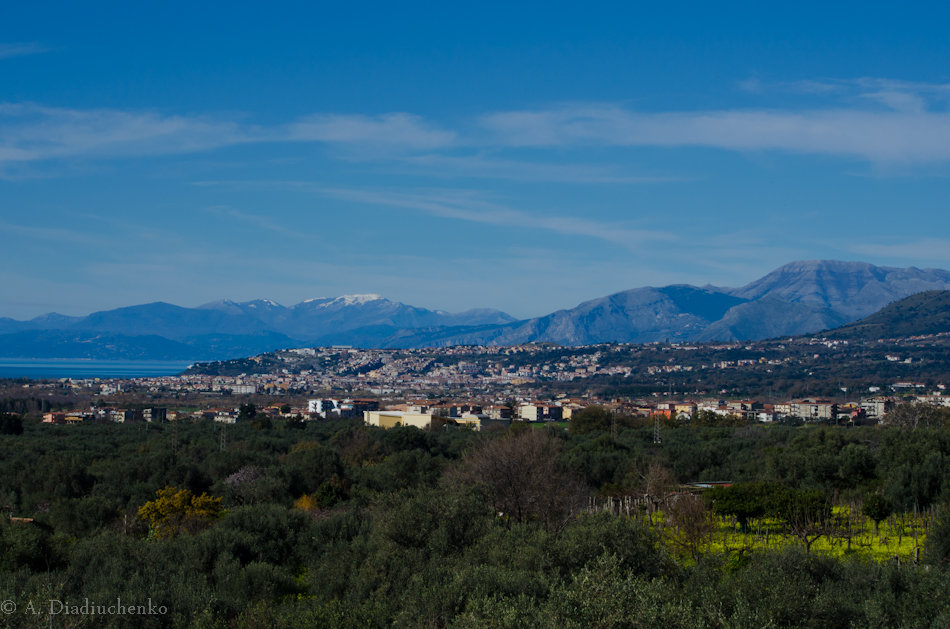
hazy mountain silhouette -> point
(798, 298)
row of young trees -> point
(338, 524)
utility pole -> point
(657, 440)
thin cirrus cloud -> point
(932, 249)
(395, 129)
(877, 120)
(52, 234)
(876, 136)
(896, 95)
(491, 167)
(31, 132)
(465, 206)
(256, 221)
(21, 49)
(860, 87)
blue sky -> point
(523, 158)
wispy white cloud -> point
(896, 95)
(898, 101)
(929, 249)
(877, 120)
(31, 133)
(390, 130)
(51, 234)
(261, 222)
(126, 230)
(466, 206)
(21, 49)
(491, 167)
(877, 136)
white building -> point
(322, 406)
(391, 419)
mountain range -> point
(797, 298)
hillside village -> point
(480, 386)
(822, 378)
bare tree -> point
(659, 480)
(808, 516)
(846, 525)
(520, 475)
(917, 415)
(691, 523)
(657, 484)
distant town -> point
(805, 379)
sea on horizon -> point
(43, 368)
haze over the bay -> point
(522, 158)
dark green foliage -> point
(401, 470)
(877, 507)
(937, 548)
(442, 521)
(295, 423)
(604, 462)
(826, 458)
(590, 419)
(632, 546)
(404, 438)
(914, 466)
(407, 531)
(22, 406)
(26, 544)
(332, 492)
(82, 516)
(262, 422)
(805, 511)
(748, 500)
(856, 465)
(264, 534)
(310, 465)
(10, 424)
(247, 412)
(809, 505)
(710, 418)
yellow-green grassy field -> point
(848, 533)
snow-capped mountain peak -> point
(345, 300)
(352, 300)
(270, 303)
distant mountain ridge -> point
(219, 329)
(798, 298)
(921, 314)
(850, 289)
